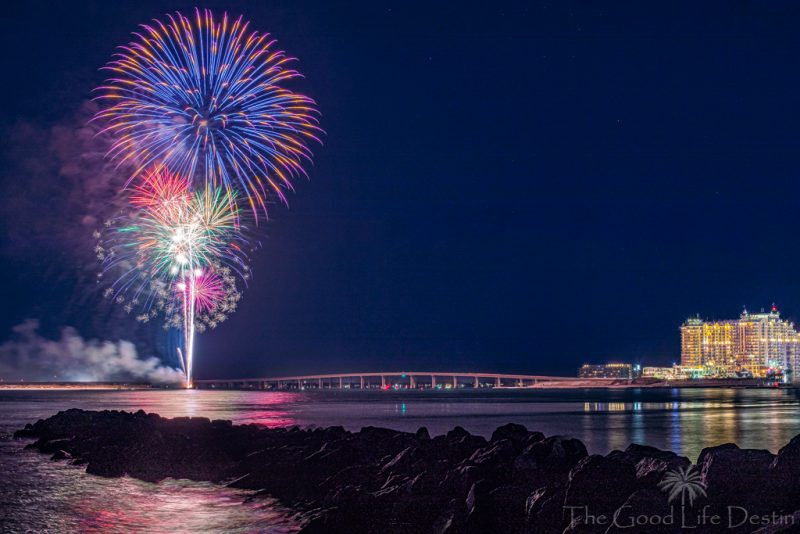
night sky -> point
(519, 187)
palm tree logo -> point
(683, 482)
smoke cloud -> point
(63, 187)
(56, 189)
(29, 356)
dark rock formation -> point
(385, 481)
(650, 463)
(604, 482)
(744, 478)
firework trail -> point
(207, 99)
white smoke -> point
(33, 358)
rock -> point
(635, 453)
(650, 463)
(452, 520)
(386, 481)
(458, 444)
(558, 452)
(61, 455)
(456, 432)
(337, 520)
(481, 513)
(547, 461)
(509, 503)
(786, 467)
(460, 480)
(109, 469)
(358, 475)
(222, 422)
(788, 457)
(600, 485)
(787, 524)
(495, 460)
(646, 510)
(511, 431)
(544, 511)
(742, 477)
(706, 451)
(400, 462)
(377, 435)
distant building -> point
(756, 343)
(608, 370)
(708, 344)
(662, 373)
(676, 372)
(692, 343)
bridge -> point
(403, 380)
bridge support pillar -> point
(497, 383)
(362, 381)
(520, 383)
(412, 382)
(475, 383)
(319, 386)
(383, 382)
(341, 385)
(433, 381)
(299, 384)
(455, 382)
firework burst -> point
(207, 98)
(208, 290)
(175, 252)
(199, 109)
(217, 295)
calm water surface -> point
(38, 495)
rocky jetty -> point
(385, 481)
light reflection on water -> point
(39, 495)
(46, 496)
(53, 496)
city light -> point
(754, 345)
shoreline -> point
(77, 386)
(382, 480)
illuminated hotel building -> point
(756, 342)
(624, 371)
(692, 343)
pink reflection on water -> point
(178, 506)
(270, 409)
(58, 497)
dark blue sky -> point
(504, 186)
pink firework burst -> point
(159, 188)
(208, 289)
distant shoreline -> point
(73, 386)
(720, 383)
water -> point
(38, 495)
